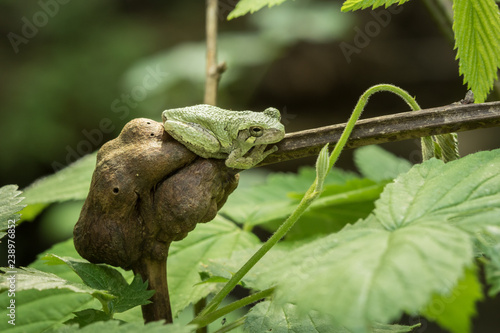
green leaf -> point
(477, 39)
(268, 316)
(217, 239)
(364, 276)
(9, 206)
(337, 206)
(38, 311)
(454, 311)
(70, 183)
(62, 249)
(30, 278)
(103, 277)
(362, 4)
(250, 6)
(387, 328)
(415, 246)
(484, 221)
(437, 190)
(88, 316)
(378, 164)
(376, 274)
(273, 201)
(114, 326)
(321, 22)
(32, 211)
(222, 269)
(489, 245)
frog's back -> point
(208, 116)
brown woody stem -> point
(155, 271)
(391, 128)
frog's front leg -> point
(195, 137)
(255, 156)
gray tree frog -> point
(212, 132)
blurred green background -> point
(74, 72)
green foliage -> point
(87, 317)
(362, 4)
(247, 54)
(10, 204)
(362, 254)
(37, 311)
(454, 311)
(62, 249)
(489, 245)
(378, 164)
(434, 190)
(219, 238)
(285, 318)
(117, 327)
(346, 198)
(70, 183)
(216, 239)
(263, 203)
(410, 252)
(362, 275)
(476, 24)
(103, 277)
(321, 22)
(102, 282)
(249, 6)
(30, 278)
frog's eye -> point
(256, 131)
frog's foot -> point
(254, 157)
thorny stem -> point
(212, 316)
(312, 193)
(231, 326)
(360, 106)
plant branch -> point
(231, 326)
(212, 316)
(280, 232)
(213, 70)
(155, 271)
(391, 128)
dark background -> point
(68, 66)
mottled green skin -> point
(212, 132)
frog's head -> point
(262, 128)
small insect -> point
(223, 321)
